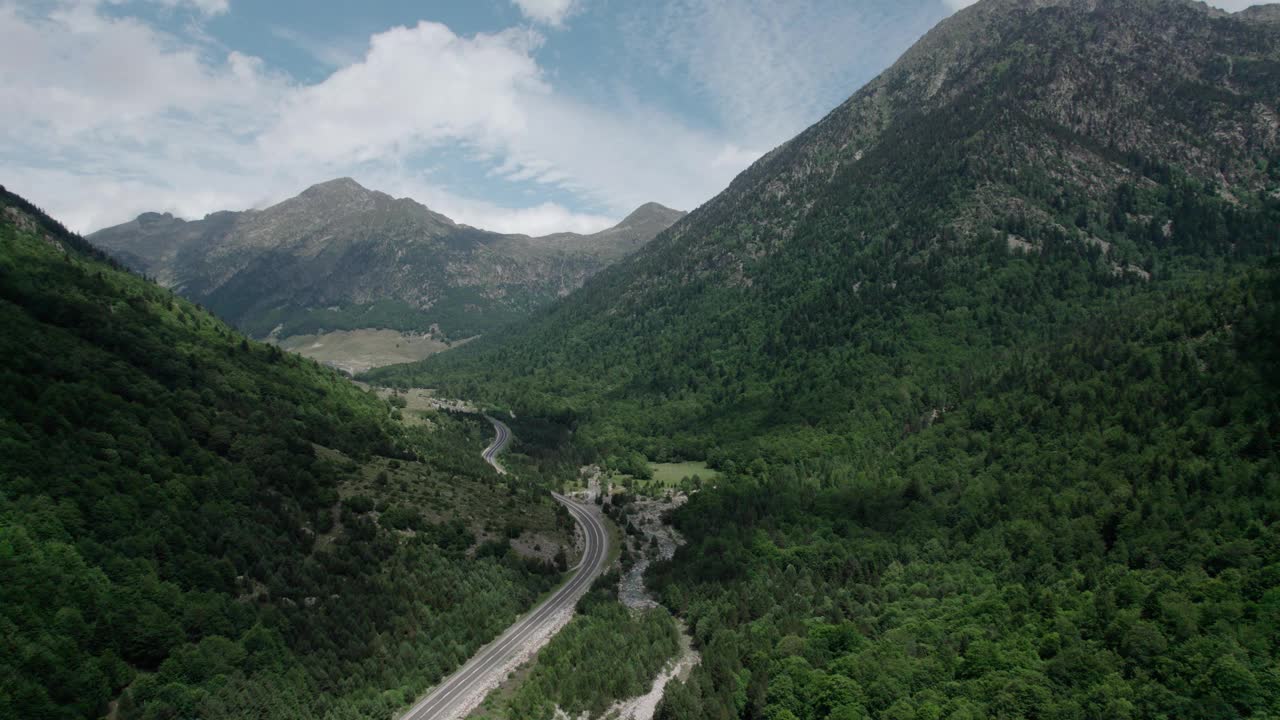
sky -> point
(532, 116)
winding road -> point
(459, 693)
(501, 438)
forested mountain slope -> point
(1094, 533)
(1019, 164)
(341, 257)
(988, 360)
(203, 526)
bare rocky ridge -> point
(620, 240)
(342, 257)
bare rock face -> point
(636, 229)
(339, 256)
(1261, 13)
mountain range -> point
(984, 363)
(1018, 159)
(342, 257)
(987, 360)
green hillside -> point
(171, 531)
(341, 257)
(1092, 534)
(987, 360)
(952, 213)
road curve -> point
(460, 692)
(501, 438)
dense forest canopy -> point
(1092, 535)
(988, 361)
(608, 652)
(171, 536)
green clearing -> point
(665, 476)
(671, 474)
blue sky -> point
(515, 115)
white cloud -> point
(1238, 5)
(543, 219)
(86, 199)
(330, 52)
(769, 69)
(424, 87)
(207, 7)
(416, 87)
(550, 12)
(83, 70)
(113, 117)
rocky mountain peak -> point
(339, 255)
(149, 218)
(652, 212)
(336, 188)
(1261, 13)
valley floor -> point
(357, 351)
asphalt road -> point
(499, 443)
(455, 695)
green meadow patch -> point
(671, 474)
